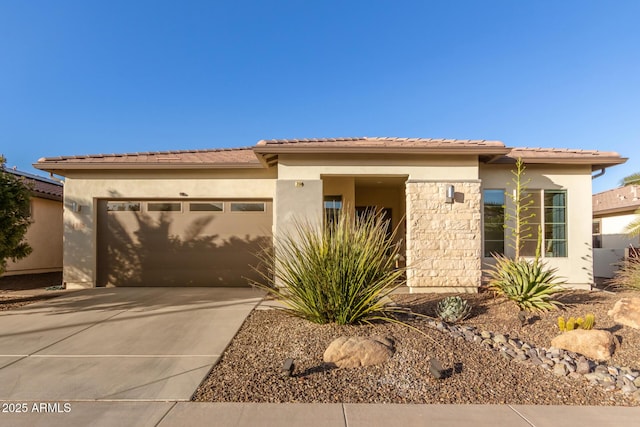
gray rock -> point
(592, 377)
(582, 366)
(569, 365)
(636, 382)
(601, 369)
(486, 335)
(536, 360)
(560, 370)
(500, 339)
(352, 352)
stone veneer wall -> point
(444, 241)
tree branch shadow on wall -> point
(155, 257)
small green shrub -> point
(530, 284)
(340, 272)
(453, 309)
(628, 276)
(587, 323)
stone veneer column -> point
(443, 239)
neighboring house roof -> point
(42, 187)
(265, 153)
(618, 200)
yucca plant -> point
(529, 283)
(453, 309)
(339, 272)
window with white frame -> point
(547, 212)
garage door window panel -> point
(247, 207)
(123, 206)
(164, 207)
(206, 207)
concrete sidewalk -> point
(168, 414)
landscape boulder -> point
(594, 344)
(626, 312)
(352, 352)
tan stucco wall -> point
(45, 238)
(340, 186)
(80, 188)
(577, 267)
(433, 167)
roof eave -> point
(621, 210)
(596, 164)
(54, 166)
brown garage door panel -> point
(180, 247)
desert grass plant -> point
(337, 273)
(628, 275)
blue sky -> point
(79, 77)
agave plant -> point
(340, 272)
(530, 284)
(453, 309)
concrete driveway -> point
(119, 343)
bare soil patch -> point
(249, 370)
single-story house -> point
(45, 232)
(196, 218)
(613, 211)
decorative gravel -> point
(250, 368)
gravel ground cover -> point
(20, 290)
(250, 368)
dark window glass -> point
(123, 206)
(206, 207)
(164, 207)
(247, 207)
(493, 208)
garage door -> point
(181, 243)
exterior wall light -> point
(299, 184)
(451, 194)
(75, 207)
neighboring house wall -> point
(614, 240)
(613, 211)
(85, 190)
(45, 238)
(577, 266)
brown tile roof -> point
(598, 159)
(617, 200)
(225, 157)
(265, 153)
(41, 187)
(373, 144)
